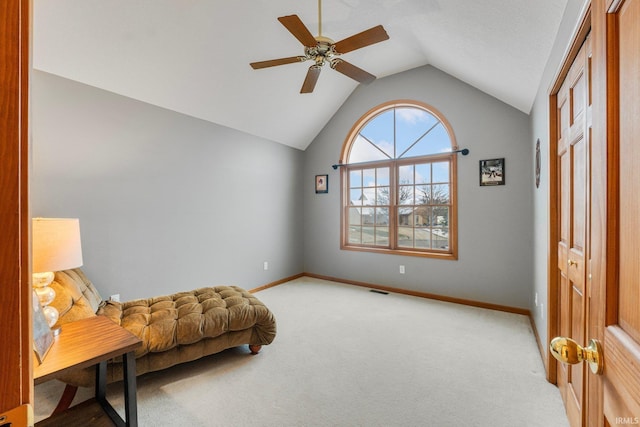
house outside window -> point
(399, 182)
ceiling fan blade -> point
(365, 38)
(352, 71)
(311, 79)
(298, 29)
(274, 62)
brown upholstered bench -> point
(174, 328)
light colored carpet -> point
(345, 356)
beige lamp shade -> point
(55, 244)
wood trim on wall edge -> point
(472, 303)
(479, 304)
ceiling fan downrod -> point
(319, 18)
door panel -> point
(622, 335)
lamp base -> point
(46, 295)
(41, 280)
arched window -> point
(399, 182)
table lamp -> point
(55, 246)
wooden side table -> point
(88, 342)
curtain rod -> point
(463, 151)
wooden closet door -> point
(622, 333)
(573, 112)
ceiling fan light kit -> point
(323, 50)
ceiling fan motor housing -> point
(322, 51)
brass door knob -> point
(568, 351)
(572, 262)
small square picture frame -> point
(492, 172)
(322, 184)
(42, 334)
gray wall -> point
(540, 129)
(166, 202)
(494, 223)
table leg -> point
(130, 393)
(130, 389)
(101, 381)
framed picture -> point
(322, 183)
(42, 335)
(492, 172)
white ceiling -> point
(192, 56)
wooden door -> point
(621, 382)
(16, 349)
(573, 139)
(611, 296)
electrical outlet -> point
(265, 265)
(402, 269)
(115, 297)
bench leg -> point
(65, 400)
(255, 349)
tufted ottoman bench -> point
(175, 328)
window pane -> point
(368, 235)
(354, 216)
(364, 151)
(355, 179)
(441, 216)
(368, 215)
(435, 142)
(405, 237)
(379, 131)
(440, 238)
(382, 176)
(422, 216)
(423, 194)
(405, 174)
(382, 196)
(441, 195)
(423, 173)
(405, 195)
(404, 215)
(441, 172)
(423, 238)
(382, 236)
(411, 124)
(355, 235)
(382, 216)
(369, 196)
(355, 197)
(369, 177)
(438, 139)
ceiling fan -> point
(322, 49)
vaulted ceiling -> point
(192, 56)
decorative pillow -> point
(76, 297)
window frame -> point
(394, 168)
